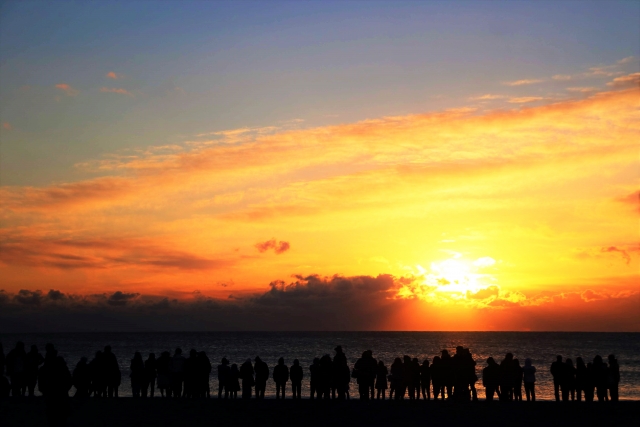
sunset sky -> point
(319, 165)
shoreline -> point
(126, 411)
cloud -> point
(525, 99)
(626, 60)
(113, 75)
(120, 298)
(633, 199)
(67, 89)
(491, 291)
(116, 90)
(562, 77)
(487, 97)
(278, 247)
(7, 126)
(523, 82)
(582, 89)
(623, 253)
(628, 80)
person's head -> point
(316, 360)
(107, 349)
(579, 361)
(425, 362)
(193, 352)
(224, 361)
(137, 355)
(490, 361)
(248, 361)
(459, 349)
(406, 359)
(381, 363)
(611, 357)
(165, 354)
(364, 354)
(338, 349)
(152, 356)
(369, 353)
(281, 361)
(178, 351)
(597, 360)
(508, 356)
(415, 360)
(48, 347)
(83, 360)
(516, 362)
(34, 348)
(436, 360)
(444, 353)
(559, 358)
(20, 346)
(397, 361)
(257, 359)
(296, 362)
(98, 353)
(569, 362)
(527, 362)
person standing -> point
(296, 378)
(425, 380)
(262, 375)
(381, 380)
(16, 366)
(246, 373)
(137, 374)
(34, 359)
(529, 377)
(557, 370)
(177, 373)
(280, 376)
(224, 378)
(149, 385)
(614, 377)
(163, 369)
(490, 379)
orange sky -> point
(476, 218)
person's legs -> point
(556, 390)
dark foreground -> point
(161, 412)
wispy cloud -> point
(582, 89)
(562, 77)
(487, 97)
(628, 80)
(67, 89)
(525, 99)
(113, 75)
(116, 90)
(523, 82)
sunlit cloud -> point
(116, 90)
(487, 97)
(628, 80)
(525, 99)
(562, 77)
(67, 89)
(114, 75)
(523, 82)
(582, 89)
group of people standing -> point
(451, 376)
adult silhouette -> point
(246, 373)
(82, 378)
(447, 372)
(262, 375)
(601, 378)
(176, 368)
(517, 380)
(568, 381)
(397, 379)
(203, 373)
(507, 377)
(98, 375)
(365, 368)
(415, 374)
(234, 381)
(437, 378)
(111, 371)
(296, 375)
(557, 370)
(16, 369)
(491, 379)
(150, 374)
(325, 371)
(33, 361)
(280, 376)
(163, 369)
(425, 380)
(339, 360)
(190, 374)
(529, 378)
(224, 378)
(614, 377)
(590, 383)
(136, 374)
(314, 379)
(381, 380)
(54, 382)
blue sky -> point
(197, 67)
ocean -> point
(541, 347)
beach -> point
(206, 412)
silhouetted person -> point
(470, 373)
(112, 371)
(437, 378)
(366, 368)
(614, 377)
(314, 379)
(415, 374)
(341, 377)
(568, 381)
(246, 373)
(296, 375)
(82, 378)
(397, 379)
(491, 379)
(149, 384)
(262, 375)
(98, 376)
(224, 378)
(163, 369)
(190, 374)
(529, 378)
(581, 378)
(234, 381)
(447, 372)
(425, 380)
(507, 377)
(381, 380)
(33, 361)
(137, 374)
(16, 369)
(590, 383)
(326, 369)
(557, 369)
(204, 372)
(517, 383)
(601, 378)
(280, 377)
(176, 368)
(54, 382)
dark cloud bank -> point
(307, 303)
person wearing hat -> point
(262, 375)
(224, 372)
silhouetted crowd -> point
(175, 376)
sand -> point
(161, 412)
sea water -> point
(541, 347)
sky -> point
(319, 165)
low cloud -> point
(113, 75)
(278, 247)
(624, 81)
(116, 90)
(67, 89)
(523, 82)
